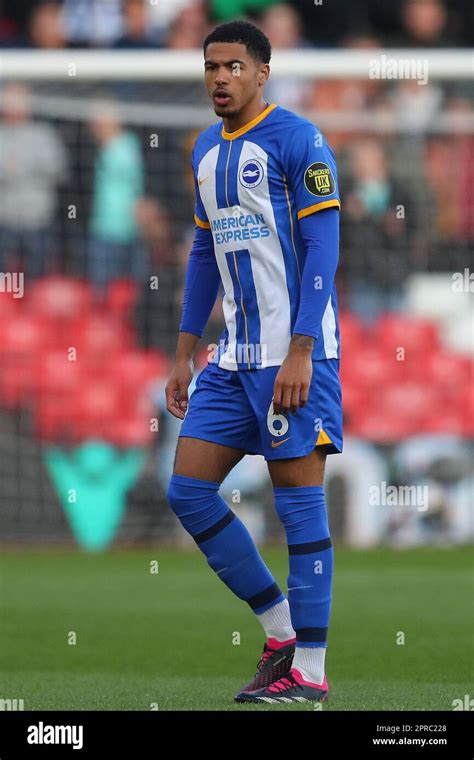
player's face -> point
(233, 77)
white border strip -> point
(185, 116)
(167, 65)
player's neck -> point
(248, 114)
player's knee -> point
(300, 506)
(190, 496)
(198, 506)
(178, 496)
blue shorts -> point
(234, 408)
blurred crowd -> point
(93, 198)
(182, 24)
(86, 195)
(89, 199)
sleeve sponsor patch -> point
(318, 180)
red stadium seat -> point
(22, 341)
(74, 405)
(449, 371)
(122, 296)
(354, 398)
(379, 426)
(96, 408)
(55, 373)
(353, 333)
(412, 402)
(22, 333)
(369, 368)
(57, 380)
(98, 337)
(9, 305)
(77, 400)
(446, 421)
(134, 368)
(416, 336)
(397, 411)
(134, 430)
(60, 297)
(52, 419)
(465, 401)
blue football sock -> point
(303, 514)
(225, 541)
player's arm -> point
(320, 232)
(202, 281)
(311, 174)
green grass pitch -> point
(166, 640)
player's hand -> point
(292, 382)
(176, 390)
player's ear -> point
(264, 74)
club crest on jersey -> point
(318, 180)
(251, 173)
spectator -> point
(282, 25)
(452, 156)
(136, 26)
(425, 24)
(46, 27)
(32, 164)
(376, 229)
(114, 246)
(93, 23)
(326, 24)
(156, 311)
(348, 97)
(415, 107)
(188, 28)
(228, 10)
(155, 226)
(162, 14)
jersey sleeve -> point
(201, 284)
(320, 233)
(200, 216)
(311, 172)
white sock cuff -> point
(276, 622)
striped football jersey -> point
(252, 186)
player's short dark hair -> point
(257, 43)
